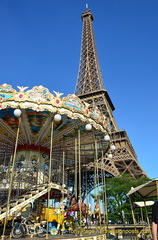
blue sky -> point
(40, 45)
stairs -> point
(33, 194)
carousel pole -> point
(96, 170)
(133, 216)
(17, 113)
(105, 198)
(57, 117)
(103, 184)
(147, 218)
(4, 159)
(79, 166)
(49, 176)
(63, 180)
(97, 182)
(112, 148)
(62, 201)
(75, 180)
(75, 184)
(95, 174)
(87, 203)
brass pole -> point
(79, 166)
(134, 220)
(11, 180)
(97, 180)
(103, 187)
(4, 159)
(104, 194)
(147, 218)
(49, 177)
(102, 174)
(75, 184)
(106, 205)
(87, 203)
(103, 181)
(95, 173)
(142, 218)
(63, 181)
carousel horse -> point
(75, 210)
(97, 212)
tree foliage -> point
(116, 188)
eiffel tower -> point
(90, 88)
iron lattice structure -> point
(90, 88)
(89, 77)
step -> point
(21, 199)
(12, 204)
(33, 191)
(41, 188)
(27, 195)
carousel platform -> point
(84, 237)
(67, 237)
(87, 234)
(112, 233)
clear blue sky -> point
(40, 45)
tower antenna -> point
(86, 6)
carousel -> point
(51, 147)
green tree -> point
(116, 188)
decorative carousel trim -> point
(40, 99)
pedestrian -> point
(154, 220)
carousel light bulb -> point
(88, 127)
(109, 155)
(57, 117)
(17, 112)
(112, 147)
(106, 137)
(4, 181)
(70, 189)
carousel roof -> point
(38, 108)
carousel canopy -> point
(38, 109)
